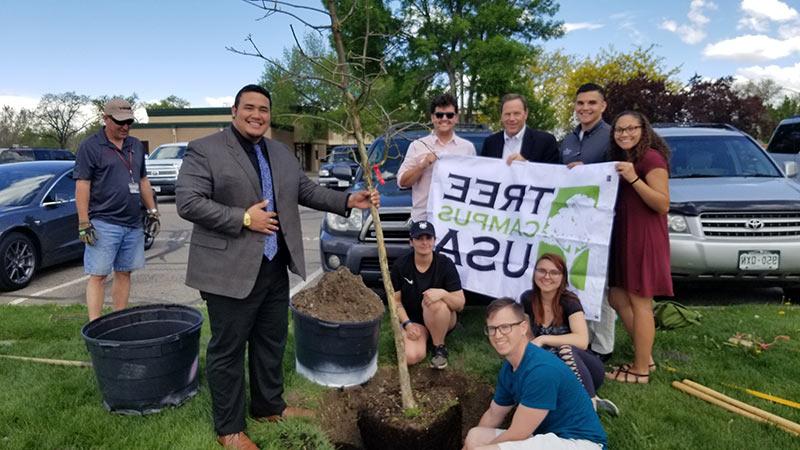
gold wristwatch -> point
(246, 221)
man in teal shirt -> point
(553, 410)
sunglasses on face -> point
(440, 115)
(122, 123)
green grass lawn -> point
(51, 407)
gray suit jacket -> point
(216, 184)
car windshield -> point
(786, 139)
(718, 156)
(168, 152)
(392, 157)
(19, 186)
(346, 155)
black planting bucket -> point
(145, 358)
(335, 354)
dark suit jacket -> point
(216, 184)
(537, 146)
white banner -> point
(495, 220)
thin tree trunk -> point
(353, 110)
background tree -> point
(717, 101)
(653, 98)
(789, 106)
(62, 116)
(300, 97)
(171, 102)
(612, 66)
(473, 48)
(544, 89)
(765, 88)
(15, 126)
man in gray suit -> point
(234, 186)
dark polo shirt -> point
(593, 148)
(110, 171)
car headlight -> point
(324, 172)
(339, 223)
(677, 223)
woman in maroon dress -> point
(640, 266)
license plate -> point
(759, 260)
(343, 183)
(156, 188)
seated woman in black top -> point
(559, 325)
(428, 296)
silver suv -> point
(734, 214)
(163, 166)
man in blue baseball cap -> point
(428, 296)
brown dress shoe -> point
(289, 411)
(237, 441)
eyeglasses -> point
(440, 115)
(122, 123)
(552, 273)
(504, 328)
(626, 130)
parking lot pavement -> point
(162, 279)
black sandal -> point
(622, 370)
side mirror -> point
(790, 167)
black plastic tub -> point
(145, 358)
(335, 354)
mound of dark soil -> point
(436, 392)
(339, 297)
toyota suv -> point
(734, 214)
(784, 145)
(351, 241)
(163, 166)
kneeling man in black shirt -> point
(428, 295)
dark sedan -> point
(38, 220)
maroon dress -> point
(640, 242)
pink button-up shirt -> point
(415, 155)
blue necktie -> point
(271, 243)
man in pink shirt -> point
(417, 168)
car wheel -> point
(19, 261)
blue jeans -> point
(118, 247)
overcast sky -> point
(177, 47)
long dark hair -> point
(536, 299)
(650, 139)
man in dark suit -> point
(234, 185)
(517, 142)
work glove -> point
(86, 233)
(152, 223)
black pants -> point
(259, 321)
(585, 365)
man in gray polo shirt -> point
(110, 189)
(588, 144)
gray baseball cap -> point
(119, 109)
